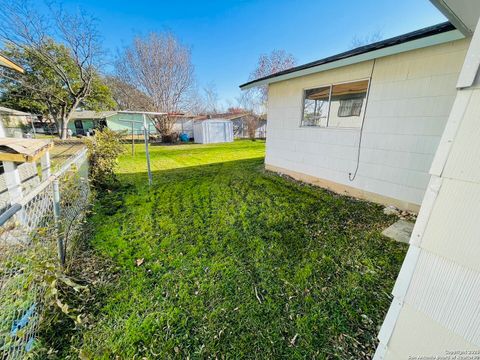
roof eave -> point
(436, 39)
(452, 17)
(93, 116)
(13, 112)
(153, 113)
(6, 62)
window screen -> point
(350, 107)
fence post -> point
(133, 142)
(14, 186)
(146, 133)
(56, 216)
(13, 181)
(45, 165)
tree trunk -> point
(68, 115)
(64, 129)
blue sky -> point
(227, 37)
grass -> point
(237, 262)
(181, 156)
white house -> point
(435, 312)
(15, 122)
(366, 122)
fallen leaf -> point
(139, 262)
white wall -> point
(410, 98)
(436, 305)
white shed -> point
(213, 131)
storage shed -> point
(213, 131)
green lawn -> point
(238, 262)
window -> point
(315, 107)
(339, 105)
(350, 107)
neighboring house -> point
(429, 90)
(44, 127)
(12, 120)
(366, 122)
(241, 124)
(83, 121)
(15, 122)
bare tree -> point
(248, 103)
(204, 101)
(126, 96)
(366, 40)
(196, 102)
(159, 66)
(268, 64)
(252, 122)
(65, 45)
(211, 98)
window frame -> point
(304, 91)
(331, 85)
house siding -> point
(417, 336)
(410, 98)
(117, 122)
(123, 122)
(436, 306)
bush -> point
(104, 149)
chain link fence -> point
(35, 234)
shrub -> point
(104, 149)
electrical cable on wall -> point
(350, 177)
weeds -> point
(103, 151)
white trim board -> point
(375, 54)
